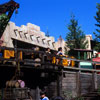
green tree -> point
(97, 33)
(3, 22)
(75, 38)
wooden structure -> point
(56, 79)
(36, 74)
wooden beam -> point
(78, 84)
(80, 69)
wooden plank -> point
(69, 85)
(37, 93)
(98, 81)
(78, 84)
(81, 69)
(95, 80)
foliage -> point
(80, 98)
(97, 35)
(67, 95)
(75, 38)
(3, 22)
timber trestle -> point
(38, 72)
(28, 65)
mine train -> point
(36, 55)
(9, 55)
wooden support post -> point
(78, 84)
(79, 67)
(62, 75)
(58, 85)
(94, 81)
(37, 93)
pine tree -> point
(97, 35)
(75, 38)
(3, 22)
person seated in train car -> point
(36, 54)
(59, 53)
(37, 57)
(48, 51)
(48, 57)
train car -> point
(84, 54)
(67, 62)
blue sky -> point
(55, 14)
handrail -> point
(81, 69)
